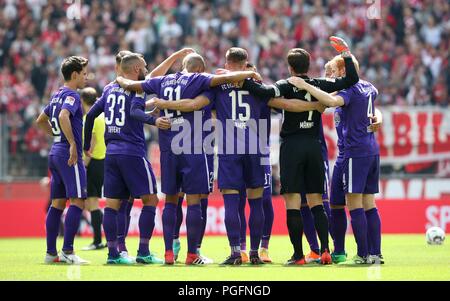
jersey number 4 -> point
(112, 101)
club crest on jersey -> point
(337, 118)
(70, 100)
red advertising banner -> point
(26, 218)
(412, 136)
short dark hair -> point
(236, 55)
(129, 60)
(298, 59)
(120, 55)
(88, 95)
(72, 64)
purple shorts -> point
(128, 175)
(67, 181)
(187, 173)
(238, 170)
(361, 174)
(337, 193)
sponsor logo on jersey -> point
(70, 100)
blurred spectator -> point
(405, 53)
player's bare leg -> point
(193, 228)
(71, 224)
(255, 222)
(52, 223)
(359, 226)
(231, 199)
(169, 217)
(110, 228)
(295, 227)
(373, 229)
(146, 226)
(315, 203)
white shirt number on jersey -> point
(236, 101)
(112, 101)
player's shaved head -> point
(298, 59)
(88, 95)
(194, 63)
(120, 55)
(129, 61)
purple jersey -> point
(249, 117)
(359, 104)
(339, 124)
(124, 135)
(174, 87)
(68, 99)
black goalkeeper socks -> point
(321, 224)
(96, 222)
(295, 228)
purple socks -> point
(338, 222)
(71, 224)
(374, 231)
(176, 233)
(232, 220)
(309, 229)
(194, 226)
(110, 228)
(123, 223)
(169, 217)
(52, 223)
(243, 228)
(255, 223)
(146, 226)
(359, 226)
(204, 206)
(268, 218)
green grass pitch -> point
(407, 257)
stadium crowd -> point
(404, 50)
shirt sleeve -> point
(335, 84)
(152, 85)
(211, 95)
(137, 110)
(205, 80)
(259, 89)
(346, 95)
(71, 103)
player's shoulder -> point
(282, 82)
(70, 96)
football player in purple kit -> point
(184, 166)
(360, 165)
(62, 118)
(236, 107)
(127, 171)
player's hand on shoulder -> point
(297, 81)
(162, 123)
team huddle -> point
(227, 114)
